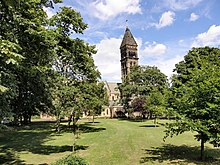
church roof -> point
(128, 38)
(112, 87)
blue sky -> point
(165, 30)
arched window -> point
(132, 54)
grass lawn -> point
(106, 142)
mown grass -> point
(106, 142)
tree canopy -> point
(196, 96)
(43, 68)
(141, 82)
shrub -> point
(71, 160)
(4, 128)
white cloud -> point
(108, 59)
(166, 19)
(181, 4)
(105, 9)
(154, 49)
(139, 42)
(108, 56)
(50, 12)
(193, 17)
(180, 42)
(167, 65)
(209, 38)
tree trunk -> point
(25, 116)
(202, 149)
(70, 120)
(93, 118)
(29, 118)
(75, 133)
(16, 122)
(58, 124)
(150, 114)
(20, 118)
(74, 142)
(111, 109)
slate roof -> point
(112, 87)
(128, 38)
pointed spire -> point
(128, 38)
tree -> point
(93, 98)
(196, 96)
(138, 106)
(157, 104)
(9, 58)
(23, 27)
(51, 63)
(77, 74)
(141, 82)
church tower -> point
(129, 56)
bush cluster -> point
(71, 160)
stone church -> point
(129, 58)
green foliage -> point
(142, 81)
(137, 105)
(68, 21)
(8, 52)
(157, 104)
(42, 68)
(76, 83)
(25, 41)
(196, 96)
(71, 160)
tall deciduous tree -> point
(23, 27)
(76, 88)
(196, 96)
(141, 82)
(53, 64)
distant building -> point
(129, 58)
(114, 109)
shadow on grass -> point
(95, 122)
(9, 157)
(180, 155)
(87, 127)
(30, 138)
(133, 119)
(149, 125)
(38, 125)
